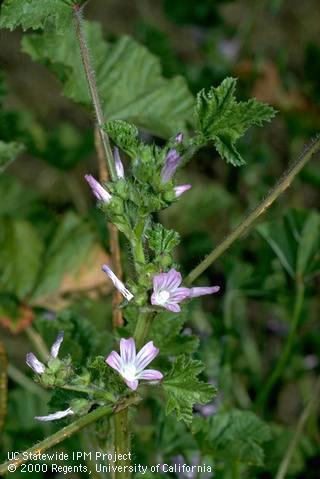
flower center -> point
(162, 297)
(129, 372)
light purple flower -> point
(179, 138)
(118, 284)
(98, 190)
(36, 365)
(179, 190)
(118, 163)
(167, 292)
(171, 164)
(55, 415)
(131, 366)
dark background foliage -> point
(53, 240)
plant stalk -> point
(3, 385)
(69, 430)
(122, 444)
(38, 343)
(90, 76)
(284, 182)
(283, 359)
(285, 463)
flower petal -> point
(118, 163)
(114, 361)
(118, 284)
(55, 415)
(179, 190)
(132, 384)
(151, 375)
(56, 345)
(179, 295)
(127, 350)
(195, 292)
(173, 307)
(34, 363)
(167, 281)
(97, 189)
(145, 356)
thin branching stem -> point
(287, 458)
(90, 76)
(245, 225)
(38, 343)
(285, 353)
(69, 430)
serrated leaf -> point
(34, 14)
(69, 246)
(233, 436)
(223, 120)
(20, 256)
(8, 153)
(184, 389)
(162, 240)
(128, 76)
(124, 135)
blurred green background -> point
(53, 240)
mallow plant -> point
(154, 292)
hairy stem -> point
(122, 443)
(3, 385)
(284, 465)
(283, 359)
(69, 430)
(142, 328)
(247, 223)
(90, 76)
(117, 319)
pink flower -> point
(98, 190)
(131, 366)
(118, 284)
(55, 415)
(36, 365)
(179, 190)
(167, 292)
(118, 163)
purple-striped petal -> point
(97, 189)
(34, 363)
(145, 356)
(179, 190)
(195, 292)
(151, 375)
(56, 345)
(127, 350)
(114, 361)
(173, 307)
(56, 415)
(179, 295)
(118, 163)
(171, 164)
(117, 283)
(132, 384)
(167, 281)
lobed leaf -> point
(223, 120)
(128, 77)
(184, 389)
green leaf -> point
(223, 120)
(124, 135)
(128, 76)
(8, 153)
(233, 436)
(34, 14)
(184, 389)
(67, 249)
(20, 256)
(162, 240)
(308, 242)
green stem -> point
(122, 443)
(38, 343)
(247, 223)
(283, 359)
(69, 430)
(90, 391)
(3, 385)
(90, 76)
(142, 328)
(283, 468)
